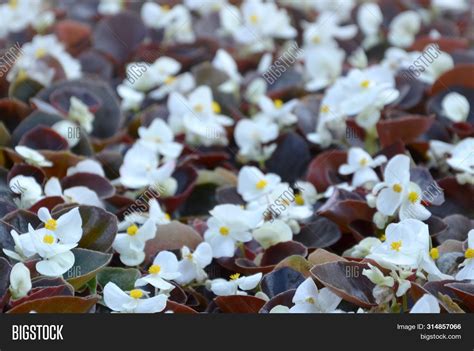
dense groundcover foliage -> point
(226, 156)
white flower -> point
(110, 7)
(344, 186)
(358, 58)
(159, 137)
(450, 5)
(205, 7)
(360, 163)
(18, 15)
(176, 22)
(250, 134)
(56, 254)
(140, 168)
(20, 281)
(277, 111)
(376, 276)
(86, 166)
(407, 245)
(67, 228)
(42, 46)
(455, 107)
(369, 19)
(225, 63)
(28, 189)
(227, 225)
(323, 66)
(131, 98)
(257, 24)
(363, 248)
(426, 304)
(222, 287)
(380, 220)
(24, 247)
(443, 63)
(252, 183)
(308, 299)
(133, 302)
(467, 271)
(199, 116)
(155, 213)
(32, 157)
(130, 245)
(341, 9)
(182, 83)
(79, 112)
(462, 156)
(76, 194)
(403, 29)
(192, 264)
(164, 268)
(325, 30)
(272, 233)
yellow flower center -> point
(469, 253)
(325, 108)
(254, 19)
(310, 300)
(413, 197)
(48, 239)
(22, 75)
(169, 80)
(316, 39)
(154, 269)
(40, 53)
(198, 108)
(396, 245)
(261, 184)
(363, 161)
(167, 216)
(365, 83)
(51, 224)
(278, 103)
(189, 256)
(136, 293)
(216, 107)
(235, 276)
(397, 188)
(132, 230)
(165, 8)
(434, 253)
(299, 199)
(383, 237)
(224, 231)
(13, 4)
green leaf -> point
(124, 277)
(86, 266)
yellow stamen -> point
(397, 188)
(224, 231)
(316, 39)
(51, 224)
(278, 103)
(48, 239)
(189, 256)
(413, 197)
(325, 109)
(13, 4)
(132, 230)
(383, 237)
(396, 245)
(21, 75)
(363, 161)
(136, 293)
(254, 19)
(310, 300)
(199, 108)
(40, 53)
(216, 107)
(167, 217)
(261, 184)
(469, 253)
(154, 269)
(165, 8)
(169, 80)
(299, 199)
(434, 253)
(235, 276)
(365, 83)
